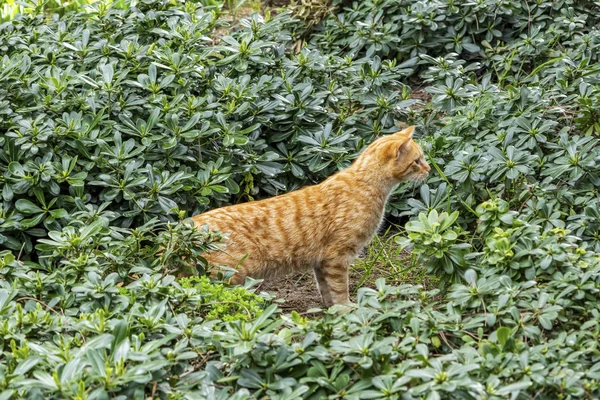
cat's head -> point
(408, 159)
(399, 156)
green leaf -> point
(513, 388)
(59, 213)
(27, 207)
(92, 229)
(503, 333)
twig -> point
(154, 385)
(42, 303)
(528, 19)
(470, 334)
(443, 336)
(20, 252)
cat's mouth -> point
(417, 178)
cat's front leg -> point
(335, 272)
(322, 285)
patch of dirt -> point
(300, 290)
(243, 12)
(420, 94)
(276, 3)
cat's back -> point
(284, 218)
(284, 231)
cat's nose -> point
(427, 168)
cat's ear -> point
(407, 132)
(397, 149)
(402, 147)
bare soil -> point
(422, 96)
(276, 3)
(299, 291)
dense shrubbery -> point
(141, 115)
(117, 124)
(515, 32)
(100, 315)
(11, 8)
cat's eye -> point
(418, 161)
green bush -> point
(138, 113)
(12, 8)
(434, 241)
(100, 316)
(518, 33)
(118, 123)
(490, 337)
(227, 304)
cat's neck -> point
(365, 193)
(372, 177)
(367, 181)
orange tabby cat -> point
(322, 227)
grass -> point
(242, 8)
(384, 258)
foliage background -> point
(120, 121)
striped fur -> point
(322, 227)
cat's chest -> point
(373, 225)
(364, 220)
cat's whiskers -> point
(416, 178)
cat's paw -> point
(343, 308)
